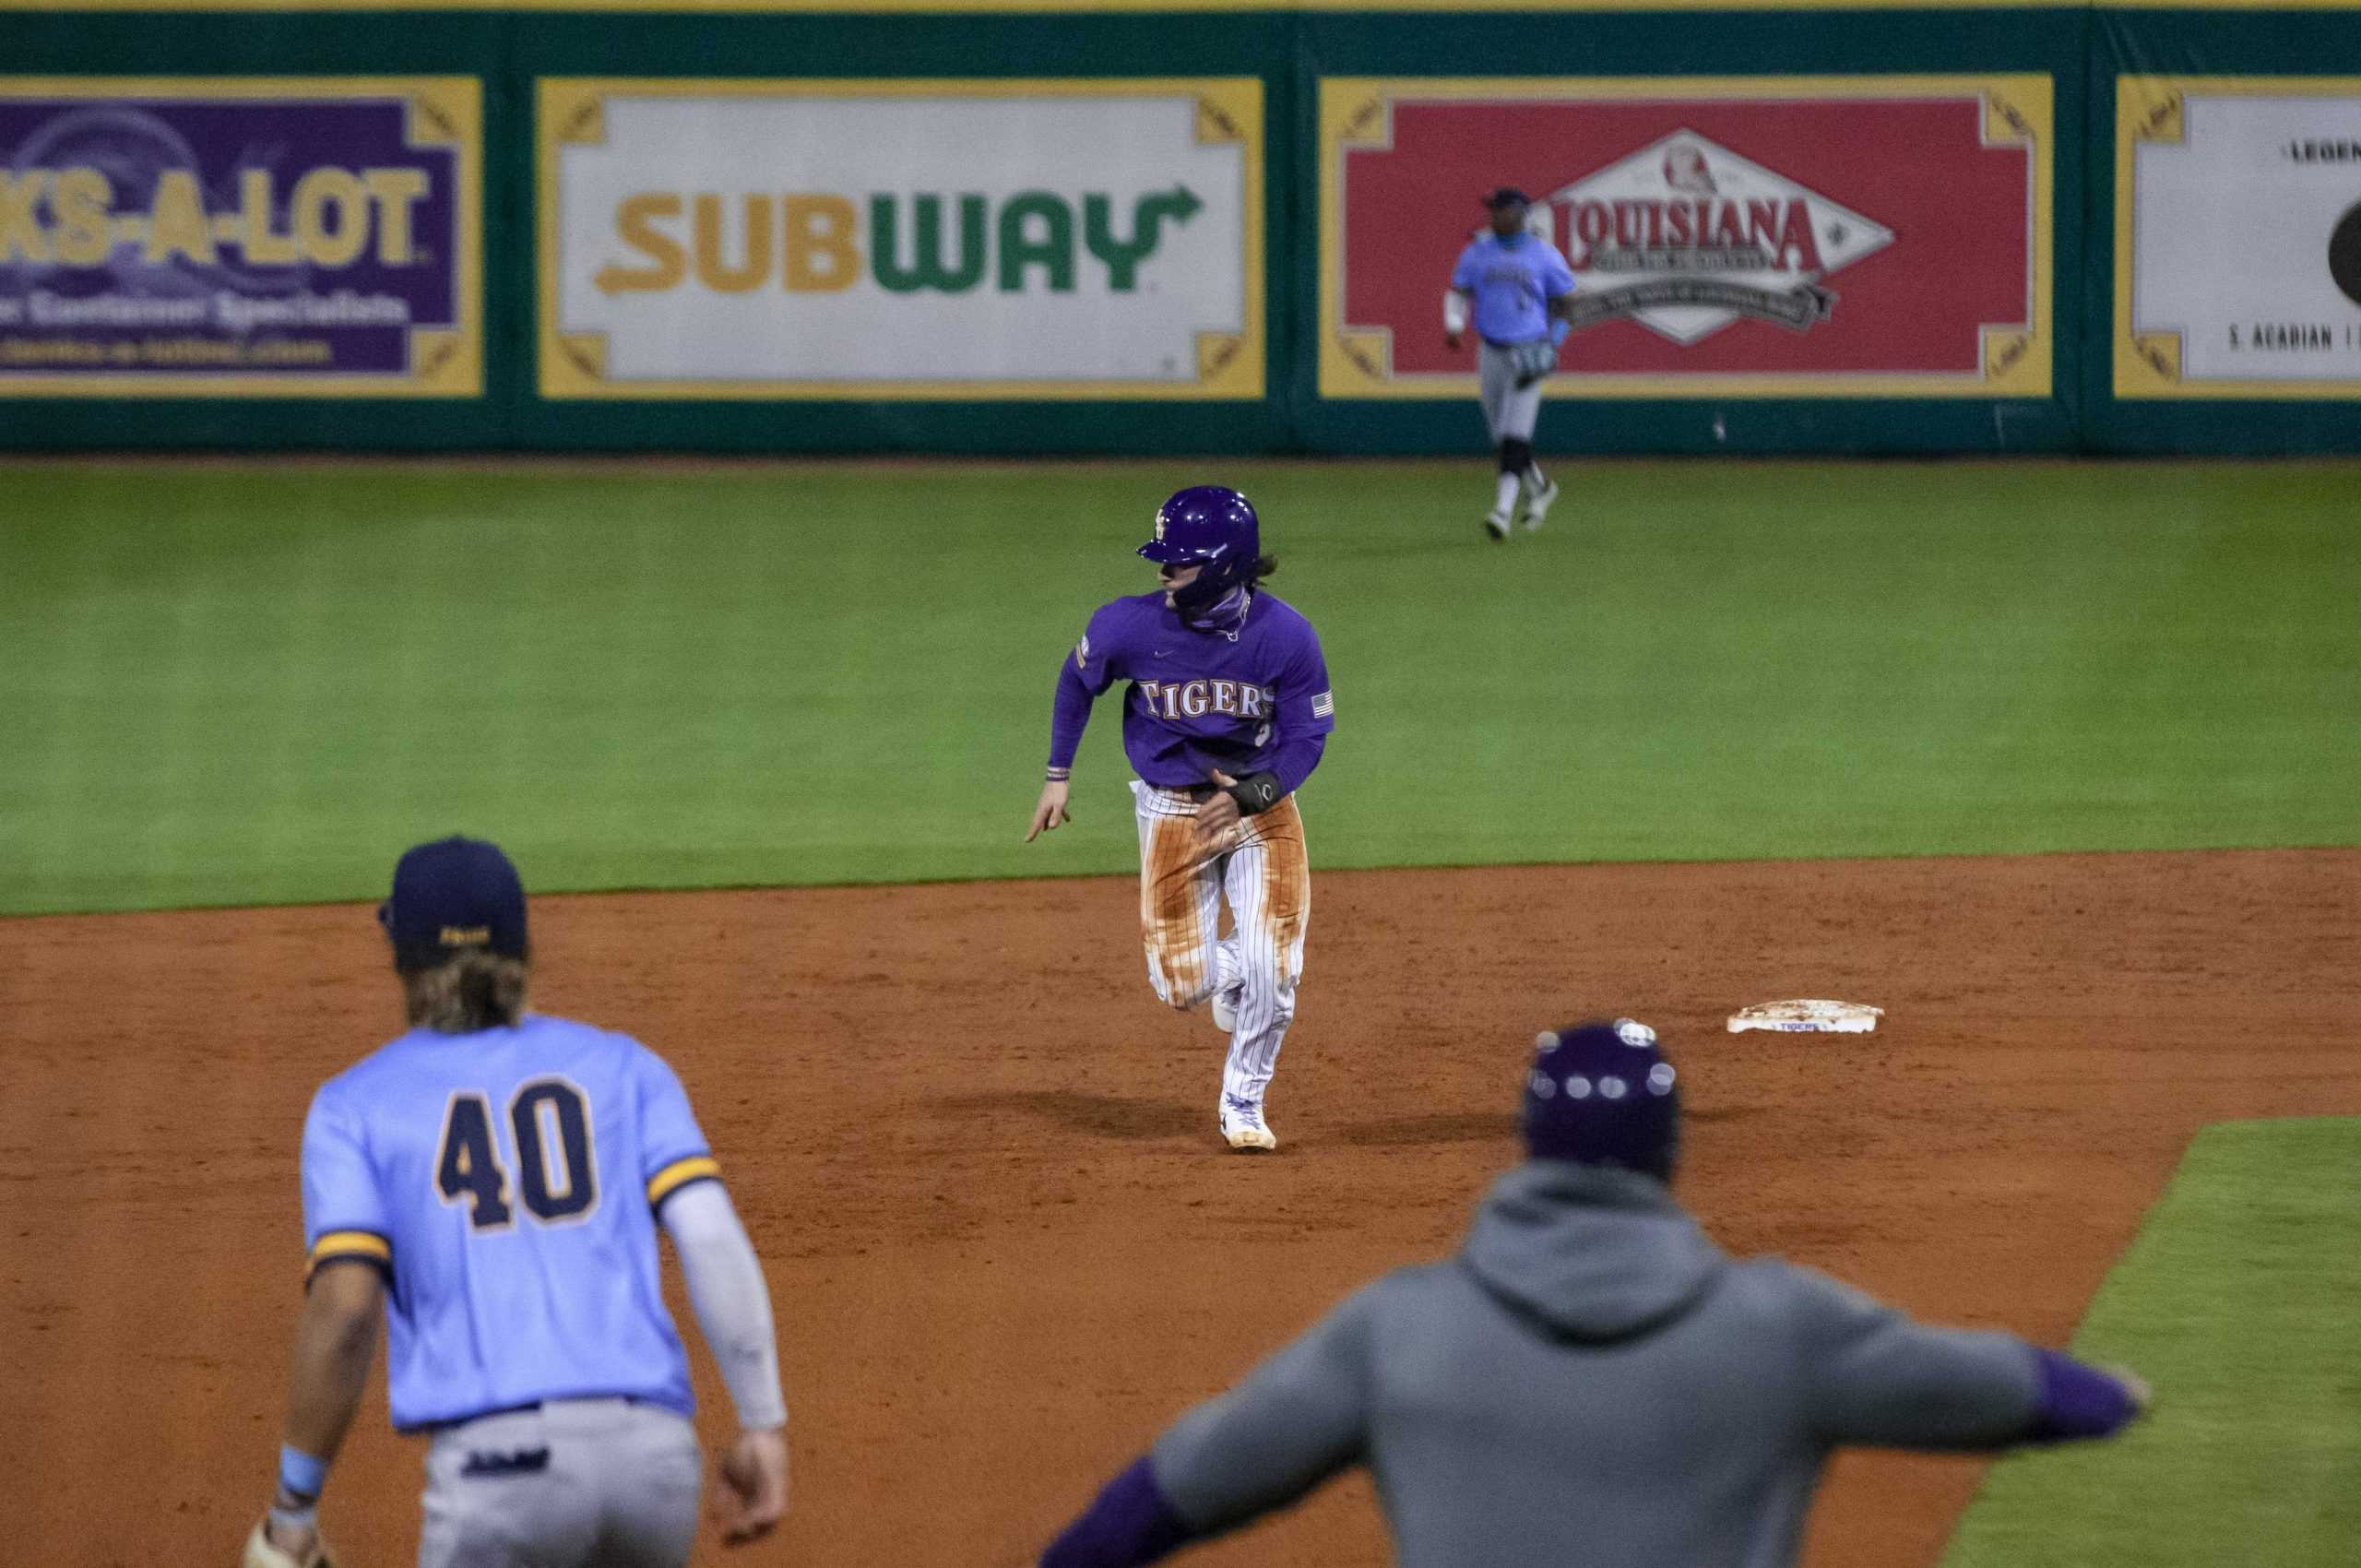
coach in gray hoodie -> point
(1591, 1383)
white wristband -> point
(1454, 312)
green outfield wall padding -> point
(2088, 372)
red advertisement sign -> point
(1746, 236)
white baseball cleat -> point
(1537, 504)
(1243, 1125)
(1225, 1009)
(1496, 523)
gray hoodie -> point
(1591, 1384)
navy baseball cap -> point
(1601, 1093)
(1505, 196)
(449, 896)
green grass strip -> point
(2238, 1304)
(257, 683)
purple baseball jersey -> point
(1204, 700)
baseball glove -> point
(261, 1553)
(1533, 361)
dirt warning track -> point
(980, 1164)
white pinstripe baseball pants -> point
(1267, 879)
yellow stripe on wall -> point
(1101, 7)
(1136, 7)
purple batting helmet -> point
(1602, 1094)
(1212, 527)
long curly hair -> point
(460, 996)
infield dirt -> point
(979, 1161)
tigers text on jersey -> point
(507, 1181)
(1202, 700)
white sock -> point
(1508, 493)
(1536, 481)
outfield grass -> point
(232, 685)
(2236, 1302)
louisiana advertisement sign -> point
(901, 239)
(307, 237)
(2237, 238)
(1757, 236)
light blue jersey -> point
(507, 1182)
(1513, 284)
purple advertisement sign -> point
(311, 237)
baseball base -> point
(1808, 1017)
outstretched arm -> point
(1881, 1379)
(1129, 1525)
(2079, 1400)
(1299, 1418)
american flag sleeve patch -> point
(1324, 706)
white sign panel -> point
(901, 239)
(2238, 267)
(1705, 271)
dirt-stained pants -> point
(1264, 873)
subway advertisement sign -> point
(901, 239)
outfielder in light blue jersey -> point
(500, 1177)
(1517, 286)
(514, 1175)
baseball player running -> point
(493, 1180)
(1228, 713)
(1590, 1380)
(1519, 287)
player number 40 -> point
(556, 1178)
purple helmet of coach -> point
(1211, 527)
(1601, 1093)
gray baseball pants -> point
(1509, 413)
(573, 1483)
